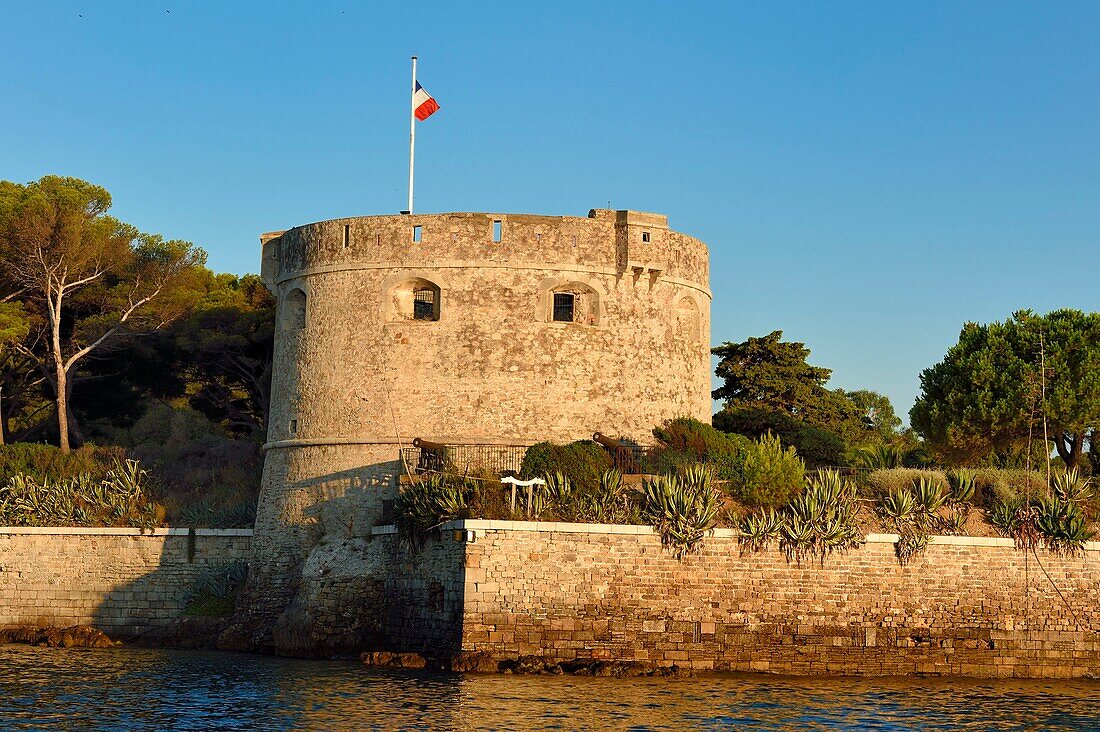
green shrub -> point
(686, 441)
(40, 461)
(583, 462)
(878, 484)
(202, 477)
(1002, 485)
(771, 475)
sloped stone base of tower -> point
(362, 594)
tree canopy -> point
(987, 395)
(768, 386)
(91, 279)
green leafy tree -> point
(224, 351)
(769, 387)
(93, 279)
(987, 395)
(877, 413)
(14, 327)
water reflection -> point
(134, 689)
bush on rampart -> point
(771, 474)
(583, 462)
(686, 441)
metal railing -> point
(432, 457)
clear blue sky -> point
(868, 175)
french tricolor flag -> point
(423, 104)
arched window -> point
(686, 319)
(414, 299)
(573, 302)
(294, 310)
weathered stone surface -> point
(123, 584)
(355, 377)
(955, 609)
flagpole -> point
(412, 133)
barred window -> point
(563, 306)
(423, 304)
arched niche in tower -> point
(412, 298)
(292, 316)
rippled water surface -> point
(132, 689)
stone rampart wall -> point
(966, 606)
(121, 581)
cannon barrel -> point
(428, 444)
(608, 441)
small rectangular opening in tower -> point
(645, 237)
(497, 227)
(416, 234)
(563, 307)
(293, 426)
(347, 235)
(378, 240)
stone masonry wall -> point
(376, 593)
(119, 580)
(966, 606)
(354, 377)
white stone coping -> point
(483, 525)
(103, 531)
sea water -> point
(139, 689)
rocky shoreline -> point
(523, 665)
(76, 636)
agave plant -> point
(929, 497)
(760, 528)
(127, 478)
(880, 457)
(682, 508)
(422, 506)
(1062, 524)
(899, 506)
(822, 519)
(912, 540)
(608, 502)
(960, 488)
(1005, 515)
(1071, 486)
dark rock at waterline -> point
(76, 636)
(474, 662)
(384, 659)
(588, 667)
(187, 633)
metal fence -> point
(497, 459)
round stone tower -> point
(469, 328)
